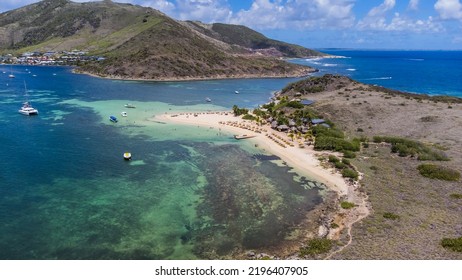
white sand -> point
(303, 160)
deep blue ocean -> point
(66, 192)
(428, 72)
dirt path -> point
(351, 216)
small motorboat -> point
(129, 105)
(124, 114)
(236, 92)
(127, 156)
(208, 99)
(113, 119)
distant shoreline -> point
(188, 79)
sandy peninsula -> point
(297, 154)
(425, 210)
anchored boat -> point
(243, 136)
(127, 156)
(113, 119)
(27, 108)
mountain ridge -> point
(143, 43)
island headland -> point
(367, 144)
(124, 41)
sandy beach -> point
(301, 157)
(303, 160)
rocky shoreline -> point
(298, 74)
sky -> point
(358, 24)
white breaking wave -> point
(351, 69)
(336, 56)
(329, 64)
(380, 78)
(314, 59)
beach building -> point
(306, 102)
(317, 121)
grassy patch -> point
(249, 117)
(349, 154)
(434, 171)
(350, 173)
(333, 159)
(456, 195)
(316, 246)
(454, 244)
(347, 205)
(340, 165)
(406, 147)
(390, 216)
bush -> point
(347, 205)
(340, 165)
(405, 147)
(350, 173)
(239, 111)
(320, 130)
(249, 117)
(391, 216)
(333, 158)
(295, 104)
(334, 144)
(434, 171)
(316, 246)
(260, 113)
(454, 244)
(349, 154)
(346, 161)
(456, 195)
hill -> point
(143, 43)
(412, 214)
(250, 39)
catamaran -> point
(27, 108)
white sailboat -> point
(27, 108)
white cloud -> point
(381, 9)
(413, 5)
(278, 14)
(449, 9)
(399, 23)
(161, 5)
(376, 20)
(203, 10)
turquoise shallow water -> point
(189, 192)
(66, 192)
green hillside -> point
(143, 43)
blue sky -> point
(364, 24)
